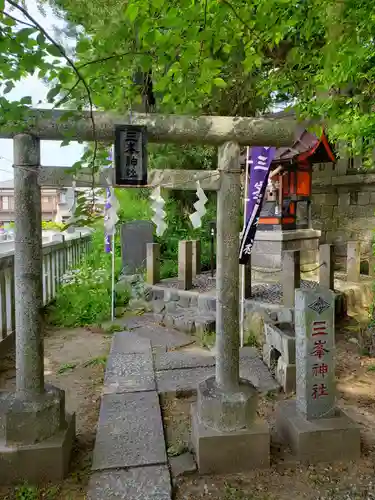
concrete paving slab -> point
(175, 360)
(185, 380)
(129, 343)
(141, 483)
(160, 336)
(129, 373)
(130, 431)
(254, 370)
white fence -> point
(57, 258)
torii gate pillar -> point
(225, 434)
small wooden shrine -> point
(287, 204)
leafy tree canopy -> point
(202, 56)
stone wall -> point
(343, 206)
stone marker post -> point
(353, 263)
(313, 426)
(185, 264)
(153, 263)
(225, 436)
(196, 257)
(36, 435)
(327, 263)
(291, 275)
(315, 353)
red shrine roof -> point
(307, 146)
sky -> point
(51, 153)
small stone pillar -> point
(353, 261)
(185, 264)
(290, 276)
(326, 269)
(35, 412)
(153, 263)
(315, 429)
(225, 433)
(196, 257)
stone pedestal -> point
(319, 440)
(312, 425)
(226, 435)
(36, 437)
(269, 246)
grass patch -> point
(67, 367)
(99, 361)
(371, 368)
(29, 492)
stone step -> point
(188, 320)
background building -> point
(56, 203)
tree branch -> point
(72, 65)
(18, 20)
(63, 99)
(107, 58)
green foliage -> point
(52, 226)
(84, 297)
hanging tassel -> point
(200, 210)
(157, 206)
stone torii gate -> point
(36, 434)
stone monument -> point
(315, 429)
(135, 236)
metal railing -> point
(58, 257)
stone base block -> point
(286, 376)
(37, 463)
(218, 452)
(319, 440)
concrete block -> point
(153, 263)
(182, 465)
(219, 452)
(196, 257)
(254, 370)
(363, 198)
(206, 304)
(129, 373)
(318, 440)
(185, 264)
(38, 463)
(182, 381)
(141, 483)
(286, 375)
(130, 432)
(129, 343)
(28, 421)
(227, 411)
(160, 336)
(283, 340)
(175, 360)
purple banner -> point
(260, 163)
(107, 237)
